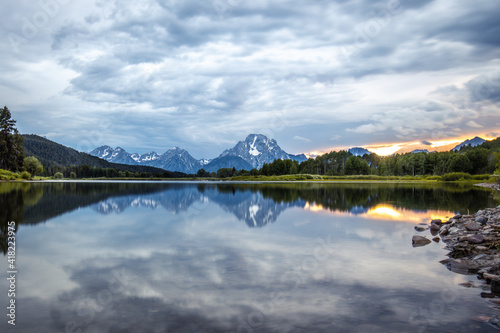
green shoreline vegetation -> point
(450, 177)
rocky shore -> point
(494, 186)
(474, 245)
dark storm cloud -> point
(484, 88)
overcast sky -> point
(314, 75)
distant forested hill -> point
(50, 153)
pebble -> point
(419, 241)
(459, 266)
(495, 286)
(472, 226)
(488, 276)
(435, 226)
(481, 219)
(475, 239)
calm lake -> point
(220, 257)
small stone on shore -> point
(475, 239)
(481, 219)
(435, 226)
(472, 226)
(495, 286)
(488, 276)
(418, 241)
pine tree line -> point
(11, 143)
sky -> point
(202, 75)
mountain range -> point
(251, 153)
(472, 142)
(51, 153)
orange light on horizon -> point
(314, 207)
(384, 210)
(445, 142)
(385, 149)
(389, 212)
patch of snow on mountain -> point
(106, 153)
(136, 157)
(253, 212)
(253, 151)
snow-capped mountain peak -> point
(258, 149)
(118, 155)
(470, 142)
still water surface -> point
(174, 257)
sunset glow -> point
(387, 212)
(314, 207)
(385, 149)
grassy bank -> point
(9, 175)
(448, 177)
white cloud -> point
(300, 138)
(472, 123)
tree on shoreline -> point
(11, 143)
(33, 166)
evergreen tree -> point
(11, 143)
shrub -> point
(25, 175)
(58, 175)
(72, 175)
(32, 165)
(433, 178)
(8, 175)
(454, 176)
(481, 177)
